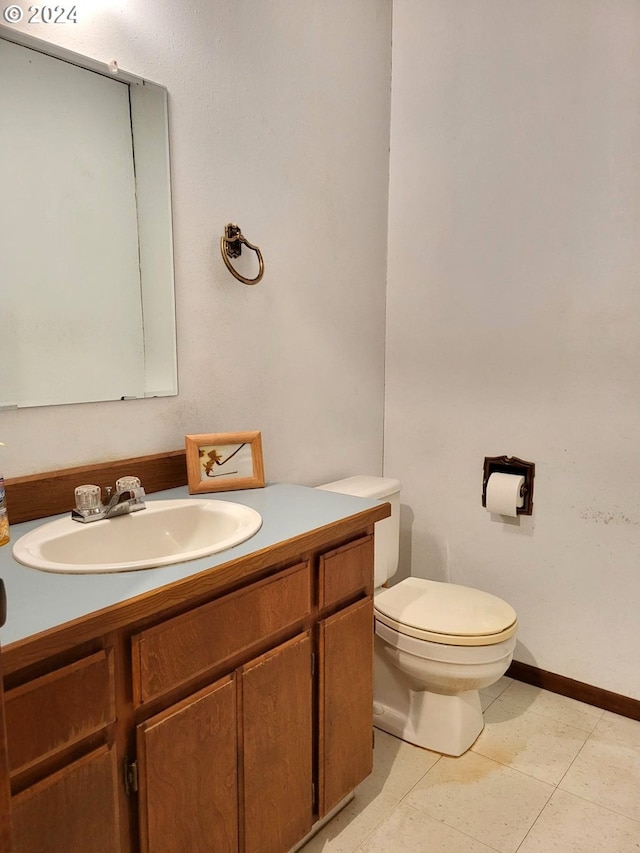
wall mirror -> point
(87, 308)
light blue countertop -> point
(38, 601)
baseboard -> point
(623, 705)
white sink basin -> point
(163, 533)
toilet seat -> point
(445, 613)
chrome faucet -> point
(127, 498)
(125, 501)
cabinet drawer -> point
(74, 810)
(170, 654)
(59, 709)
(345, 571)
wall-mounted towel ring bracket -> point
(231, 247)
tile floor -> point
(546, 774)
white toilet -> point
(436, 644)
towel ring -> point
(231, 247)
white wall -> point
(512, 294)
(279, 113)
(513, 307)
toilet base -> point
(448, 724)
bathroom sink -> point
(165, 532)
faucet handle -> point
(88, 498)
(126, 483)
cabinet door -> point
(187, 775)
(74, 810)
(276, 747)
(5, 791)
(345, 702)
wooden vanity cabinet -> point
(345, 702)
(345, 675)
(61, 751)
(187, 774)
(5, 788)
(276, 785)
(244, 744)
(234, 724)
(41, 817)
(230, 766)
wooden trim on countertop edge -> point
(625, 706)
(52, 493)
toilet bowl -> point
(436, 644)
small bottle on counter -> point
(4, 518)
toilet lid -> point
(445, 612)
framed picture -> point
(223, 461)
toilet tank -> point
(387, 539)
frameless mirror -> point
(86, 258)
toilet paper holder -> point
(511, 465)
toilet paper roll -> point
(503, 493)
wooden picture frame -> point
(222, 461)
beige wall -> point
(513, 306)
(279, 114)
